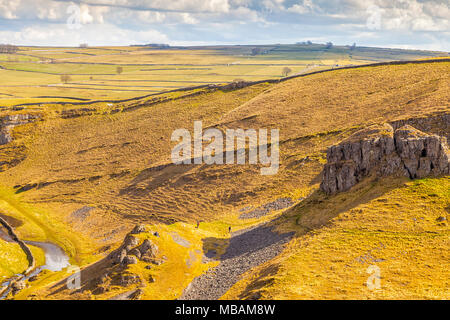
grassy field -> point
(115, 158)
(33, 75)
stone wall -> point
(23, 246)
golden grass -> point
(182, 262)
(110, 162)
(342, 98)
(389, 224)
(13, 260)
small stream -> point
(55, 260)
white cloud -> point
(8, 8)
(98, 34)
(307, 6)
(238, 21)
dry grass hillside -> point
(392, 226)
(117, 161)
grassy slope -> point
(13, 259)
(389, 224)
(106, 160)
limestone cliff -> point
(8, 123)
(380, 150)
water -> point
(55, 260)
(55, 257)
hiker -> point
(229, 229)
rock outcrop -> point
(8, 123)
(380, 150)
(433, 124)
(130, 252)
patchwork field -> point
(33, 75)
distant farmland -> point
(34, 75)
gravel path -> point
(281, 203)
(248, 249)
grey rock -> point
(378, 150)
(129, 279)
(118, 255)
(129, 260)
(148, 248)
(8, 123)
(135, 252)
(138, 229)
(130, 241)
(247, 249)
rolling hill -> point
(82, 176)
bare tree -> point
(119, 70)
(65, 78)
(286, 71)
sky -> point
(412, 24)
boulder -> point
(146, 259)
(130, 242)
(129, 260)
(129, 279)
(138, 229)
(148, 248)
(118, 255)
(135, 252)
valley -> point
(86, 166)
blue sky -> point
(388, 23)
